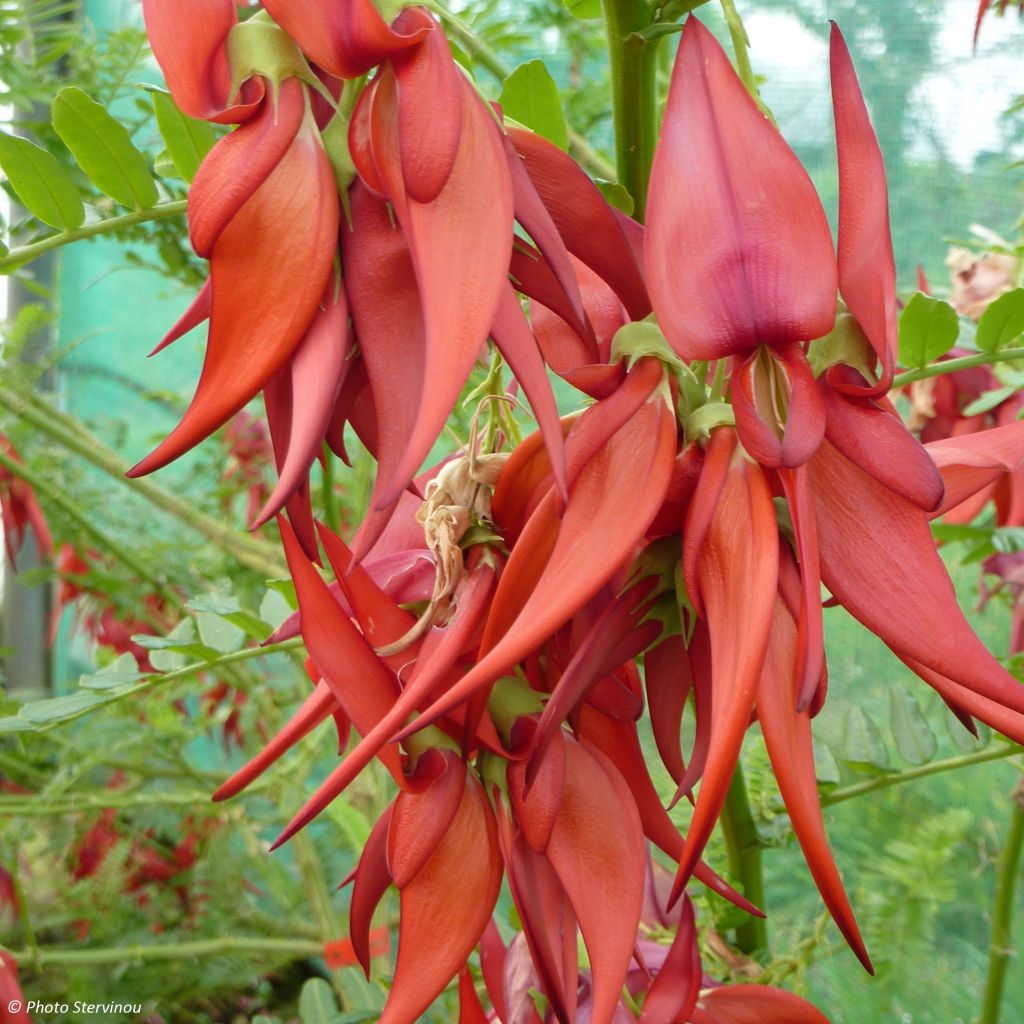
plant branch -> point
(24, 253)
(59, 498)
(744, 850)
(634, 67)
(1007, 355)
(994, 753)
(740, 46)
(251, 552)
(1001, 943)
(55, 956)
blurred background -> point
(117, 875)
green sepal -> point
(846, 344)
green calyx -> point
(846, 344)
(428, 738)
(512, 698)
(635, 341)
(260, 48)
(706, 418)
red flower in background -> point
(20, 509)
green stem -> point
(740, 46)
(55, 956)
(489, 59)
(34, 806)
(1007, 355)
(251, 552)
(195, 669)
(1000, 946)
(744, 849)
(994, 753)
(59, 497)
(23, 253)
(634, 68)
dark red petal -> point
(738, 250)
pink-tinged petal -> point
(616, 636)
(619, 742)
(549, 928)
(867, 273)
(594, 540)
(344, 37)
(758, 1004)
(429, 107)
(737, 572)
(459, 246)
(535, 219)
(189, 40)
(239, 164)
(673, 993)
(738, 250)
(597, 851)
(198, 312)
(269, 268)
(876, 439)
(372, 880)
(518, 346)
(668, 678)
(312, 378)
(586, 222)
(779, 412)
(972, 462)
(314, 710)
(879, 560)
(787, 735)
(810, 661)
(420, 819)
(458, 886)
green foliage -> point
(529, 95)
(928, 330)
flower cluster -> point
(372, 226)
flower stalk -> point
(744, 850)
(634, 67)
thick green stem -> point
(744, 848)
(248, 550)
(24, 253)
(227, 946)
(634, 69)
(1006, 355)
(1001, 943)
(996, 752)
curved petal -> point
(268, 268)
(758, 1004)
(344, 37)
(972, 462)
(879, 560)
(458, 885)
(867, 273)
(738, 250)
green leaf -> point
(928, 329)
(1002, 322)
(863, 747)
(962, 738)
(123, 671)
(103, 149)
(57, 709)
(584, 9)
(989, 400)
(42, 185)
(227, 608)
(914, 738)
(187, 140)
(826, 769)
(175, 650)
(530, 96)
(317, 1004)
